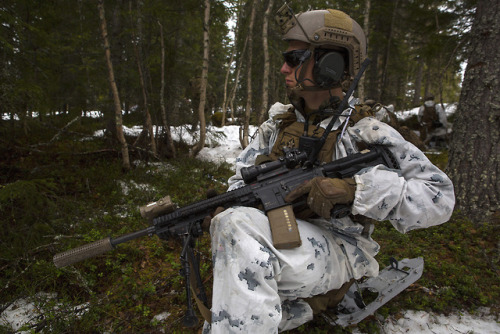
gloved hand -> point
(207, 221)
(205, 225)
(324, 193)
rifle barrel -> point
(95, 248)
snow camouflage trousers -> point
(258, 288)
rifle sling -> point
(204, 309)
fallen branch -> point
(56, 136)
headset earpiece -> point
(329, 69)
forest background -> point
(163, 64)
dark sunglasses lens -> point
(292, 58)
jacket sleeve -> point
(442, 115)
(259, 145)
(420, 113)
(245, 159)
(418, 195)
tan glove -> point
(324, 193)
(205, 225)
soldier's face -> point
(292, 67)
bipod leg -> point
(195, 266)
(190, 319)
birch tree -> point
(237, 80)
(226, 82)
(246, 125)
(226, 100)
(114, 89)
(166, 127)
(204, 78)
(265, 78)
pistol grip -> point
(340, 211)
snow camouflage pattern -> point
(260, 289)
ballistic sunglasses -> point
(294, 57)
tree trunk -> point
(226, 82)
(237, 80)
(137, 41)
(475, 147)
(116, 43)
(204, 78)
(248, 108)
(427, 84)
(366, 28)
(373, 73)
(388, 51)
(114, 89)
(265, 79)
(166, 127)
(176, 85)
(418, 82)
(148, 124)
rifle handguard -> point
(83, 252)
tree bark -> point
(136, 41)
(265, 79)
(237, 80)
(388, 51)
(176, 84)
(246, 125)
(418, 81)
(114, 89)
(147, 116)
(475, 146)
(366, 28)
(204, 78)
(226, 82)
(166, 127)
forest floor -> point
(60, 192)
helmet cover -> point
(325, 28)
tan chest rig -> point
(283, 220)
(290, 131)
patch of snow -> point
(420, 322)
(26, 312)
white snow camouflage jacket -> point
(419, 195)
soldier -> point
(260, 288)
(432, 119)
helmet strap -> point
(303, 64)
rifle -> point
(267, 186)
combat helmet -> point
(328, 29)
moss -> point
(59, 200)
